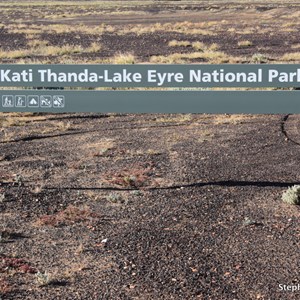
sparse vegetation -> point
(63, 126)
(56, 50)
(198, 46)
(93, 48)
(177, 118)
(111, 204)
(123, 58)
(42, 48)
(105, 151)
(259, 58)
(69, 215)
(245, 44)
(292, 195)
(115, 198)
(37, 43)
(175, 43)
(134, 178)
(291, 56)
(43, 279)
(2, 197)
(232, 119)
(295, 46)
(208, 55)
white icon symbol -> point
(7, 101)
(20, 101)
(45, 101)
(59, 101)
(33, 101)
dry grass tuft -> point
(199, 46)
(123, 58)
(291, 56)
(130, 178)
(295, 46)
(177, 58)
(56, 50)
(42, 48)
(175, 43)
(245, 43)
(35, 43)
(93, 48)
(179, 118)
(231, 119)
(68, 216)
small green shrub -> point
(115, 198)
(258, 58)
(292, 195)
(43, 279)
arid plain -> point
(123, 206)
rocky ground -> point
(94, 207)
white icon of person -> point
(20, 101)
(7, 102)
